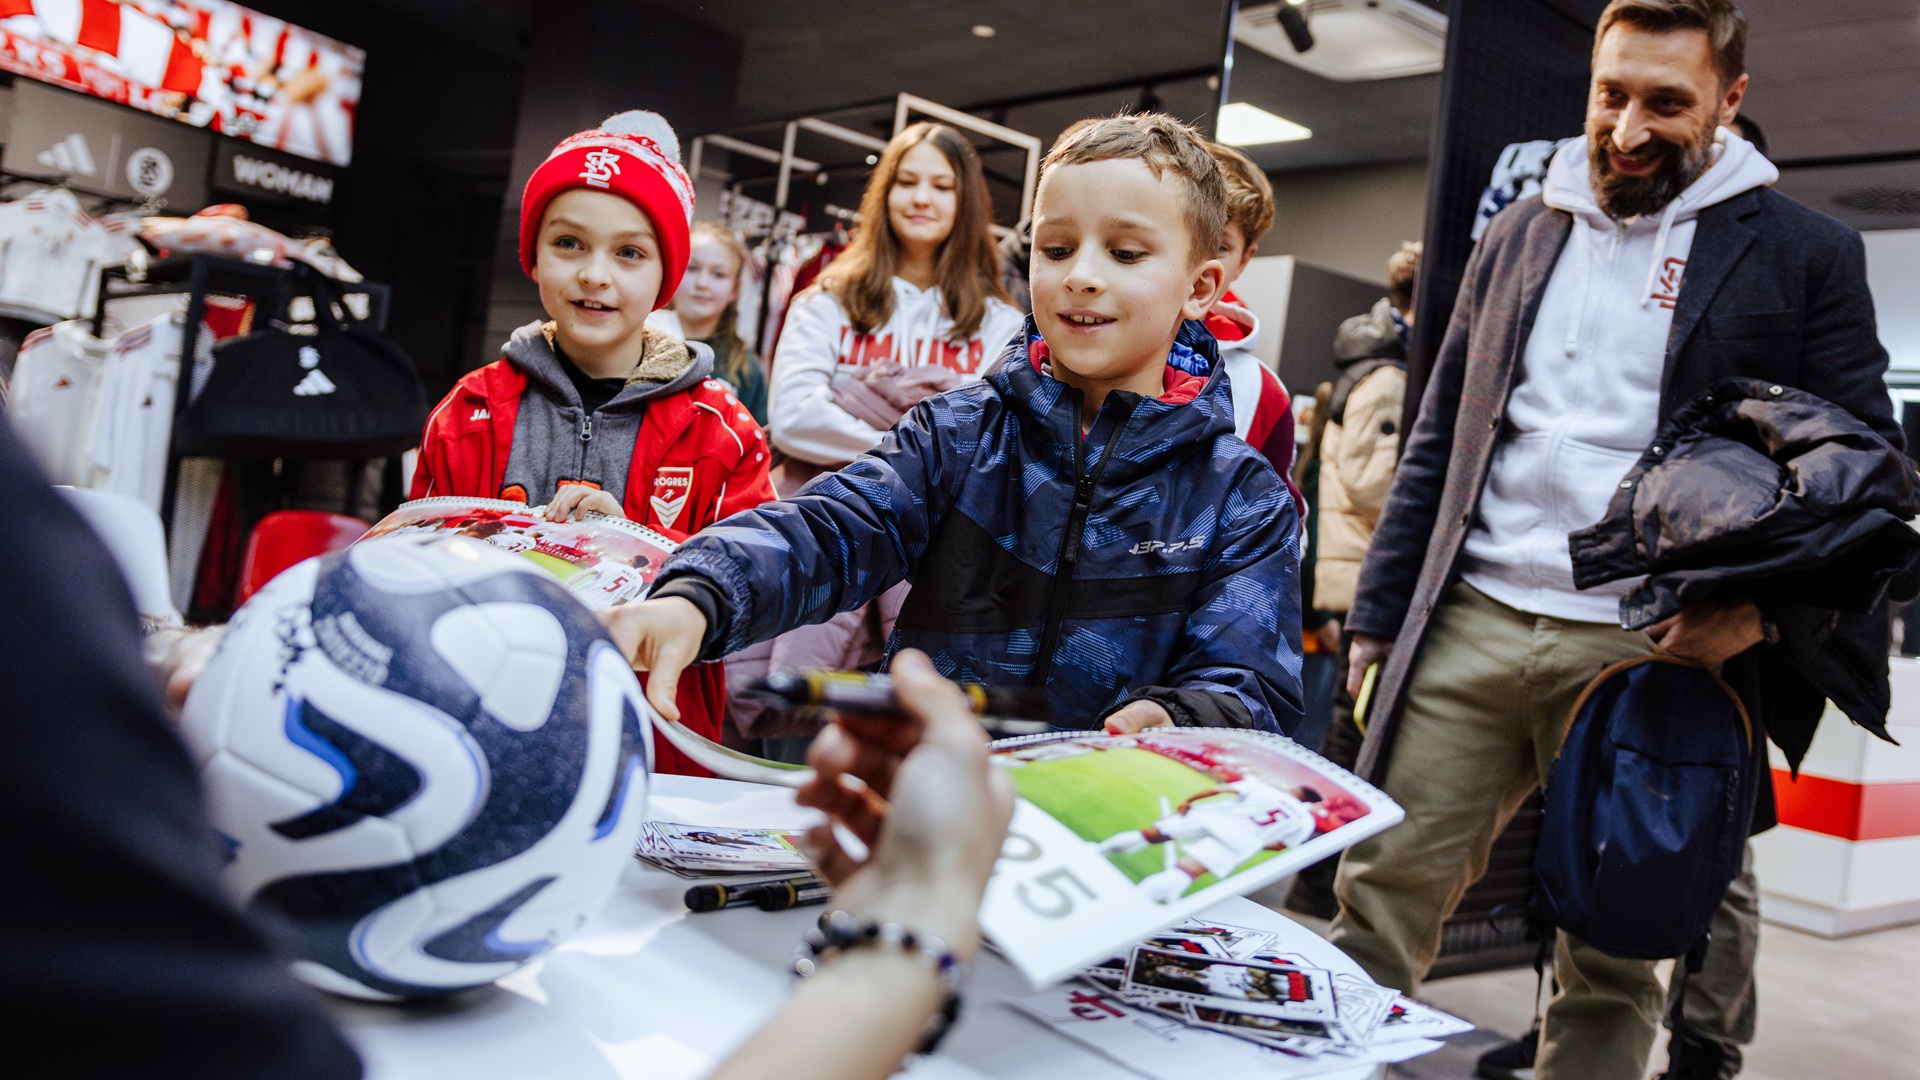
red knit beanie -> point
(633, 155)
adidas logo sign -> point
(315, 384)
(70, 155)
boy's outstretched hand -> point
(574, 502)
(661, 637)
(1137, 716)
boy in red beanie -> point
(594, 410)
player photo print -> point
(1286, 993)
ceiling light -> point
(1349, 40)
(982, 30)
(1242, 124)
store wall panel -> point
(1800, 865)
(1348, 219)
(1516, 70)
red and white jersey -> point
(818, 342)
(1224, 831)
(132, 422)
(51, 252)
(50, 400)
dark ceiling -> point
(1832, 80)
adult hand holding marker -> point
(930, 853)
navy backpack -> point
(1647, 809)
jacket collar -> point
(1153, 432)
(668, 367)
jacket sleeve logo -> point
(671, 486)
(1148, 547)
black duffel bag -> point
(346, 390)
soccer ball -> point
(424, 757)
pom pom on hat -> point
(641, 122)
(634, 155)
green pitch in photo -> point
(1103, 792)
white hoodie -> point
(818, 341)
(1587, 402)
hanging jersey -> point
(51, 253)
(55, 380)
(132, 426)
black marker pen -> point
(1003, 711)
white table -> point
(649, 990)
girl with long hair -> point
(916, 296)
(707, 309)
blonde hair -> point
(730, 360)
(1249, 193)
(967, 269)
(1167, 147)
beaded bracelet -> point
(840, 932)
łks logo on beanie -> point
(671, 486)
(602, 167)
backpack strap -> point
(1350, 378)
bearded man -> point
(1656, 263)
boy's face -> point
(1114, 272)
(1235, 253)
(597, 262)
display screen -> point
(208, 63)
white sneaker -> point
(1165, 886)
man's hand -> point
(1329, 635)
(574, 502)
(1712, 632)
(1367, 651)
(661, 637)
(1138, 716)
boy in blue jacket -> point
(1083, 519)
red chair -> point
(286, 537)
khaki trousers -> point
(1486, 709)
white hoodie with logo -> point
(817, 342)
(1587, 400)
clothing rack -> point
(198, 276)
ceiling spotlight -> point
(873, 159)
(982, 30)
(1242, 124)
(1295, 24)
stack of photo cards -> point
(1202, 980)
(705, 851)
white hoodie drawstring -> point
(1659, 250)
(1583, 258)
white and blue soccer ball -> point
(426, 759)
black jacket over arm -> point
(1773, 290)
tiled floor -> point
(1840, 1009)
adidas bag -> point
(1647, 809)
(345, 391)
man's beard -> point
(1623, 197)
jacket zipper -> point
(1083, 486)
(586, 441)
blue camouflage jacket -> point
(1157, 557)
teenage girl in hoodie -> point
(918, 288)
(913, 307)
(594, 410)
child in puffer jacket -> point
(595, 411)
(1082, 520)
